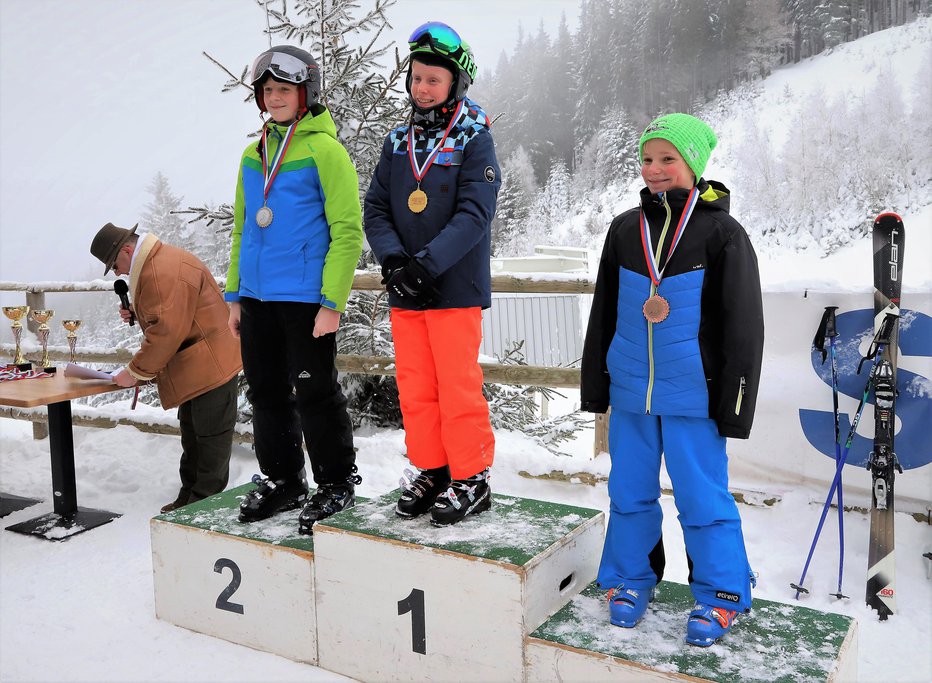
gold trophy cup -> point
(72, 327)
(42, 316)
(16, 313)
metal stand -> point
(67, 519)
(10, 503)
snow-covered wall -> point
(793, 441)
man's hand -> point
(127, 313)
(326, 322)
(233, 322)
(124, 379)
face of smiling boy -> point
(430, 85)
(281, 99)
(663, 167)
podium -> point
(251, 584)
(403, 600)
(775, 642)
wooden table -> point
(56, 392)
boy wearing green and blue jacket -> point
(296, 240)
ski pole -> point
(838, 464)
(875, 353)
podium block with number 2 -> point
(251, 584)
(402, 600)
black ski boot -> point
(272, 496)
(463, 497)
(420, 494)
(328, 500)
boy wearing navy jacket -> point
(428, 215)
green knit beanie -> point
(692, 138)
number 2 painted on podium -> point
(223, 601)
(414, 603)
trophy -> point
(72, 327)
(42, 316)
(15, 313)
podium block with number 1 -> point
(403, 600)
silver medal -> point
(264, 217)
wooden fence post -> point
(601, 433)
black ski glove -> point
(391, 264)
(413, 284)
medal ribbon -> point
(421, 171)
(657, 274)
(276, 160)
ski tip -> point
(888, 214)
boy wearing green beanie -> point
(674, 347)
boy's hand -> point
(233, 322)
(326, 322)
(412, 283)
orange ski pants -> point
(446, 417)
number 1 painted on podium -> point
(414, 603)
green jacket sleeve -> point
(231, 291)
(340, 186)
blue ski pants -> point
(698, 467)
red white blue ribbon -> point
(656, 274)
(270, 171)
(421, 171)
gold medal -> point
(264, 217)
(656, 309)
(417, 201)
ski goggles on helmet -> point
(282, 66)
(439, 36)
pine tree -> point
(365, 102)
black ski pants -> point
(293, 388)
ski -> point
(888, 243)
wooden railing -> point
(528, 375)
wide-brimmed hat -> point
(108, 241)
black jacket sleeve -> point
(742, 316)
(595, 381)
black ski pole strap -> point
(826, 330)
(881, 339)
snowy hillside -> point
(823, 95)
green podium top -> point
(513, 532)
(220, 514)
(776, 642)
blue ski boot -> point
(707, 624)
(626, 606)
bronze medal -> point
(656, 309)
(264, 217)
(417, 201)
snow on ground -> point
(82, 610)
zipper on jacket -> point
(742, 385)
(650, 325)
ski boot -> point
(418, 495)
(272, 496)
(706, 624)
(626, 606)
(463, 497)
(328, 500)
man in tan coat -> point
(187, 349)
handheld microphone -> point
(121, 289)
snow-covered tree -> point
(517, 194)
